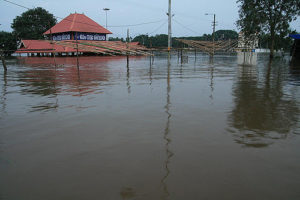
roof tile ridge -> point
(73, 22)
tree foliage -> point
(226, 35)
(115, 39)
(33, 23)
(267, 17)
(8, 43)
(281, 42)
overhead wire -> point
(17, 4)
(186, 27)
(120, 26)
(137, 24)
(158, 28)
(129, 25)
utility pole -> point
(214, 30)
(213, 36)
(77, 61)
(169, 27)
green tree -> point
(226, 35)
(267, 16)
(33, 23)
(115, 39)
(8, 43)
(281, 42)
(162, 39)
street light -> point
(106, 9)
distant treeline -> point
(161, 40)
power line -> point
(137, 24)
(158, 28)
(195, 18)
(186, 27)
(84, 22)
(17, 4)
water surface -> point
(205, 129)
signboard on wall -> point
(90, 36)
(80, 36)
(62, 37)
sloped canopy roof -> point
(77, 23)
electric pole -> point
(214, 30)
(213, 36)
(169, 27)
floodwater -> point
(202, 129)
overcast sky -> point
(189, 19)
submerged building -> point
(78, 34)
(74, 27)
(77, 27)
(247, 44)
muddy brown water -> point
(199, 130)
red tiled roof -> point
(68, 46)
(134, 43)
(78, 23)
(40, 46)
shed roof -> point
(78, 23)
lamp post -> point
(214, 29)
(106, 9)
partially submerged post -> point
(3, 60)
(77, 52)
(152, 57)
(181, 54)
(127, 53)
(4, 64)
(52, 46)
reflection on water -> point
(211, 64)
(171, 130)
(4, 92)
(128, 79)
(167, 138)
(262, 112)
(247, 58)
(43, 79)
(127, 193)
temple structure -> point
(77, 26)
(77, 34)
